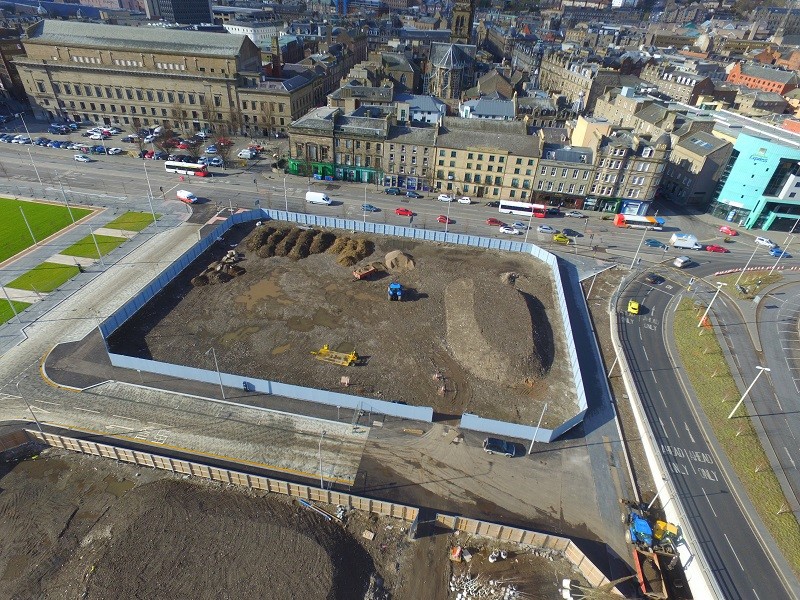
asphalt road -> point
(732, 550)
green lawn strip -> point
(45, 277)
(717, 392)
(6, 312)
(132, 221)
(86, 247)
(44, 220)
(752, 281)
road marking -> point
(46, 402)
(711, 506)
(112, 426)
(734, 551)
(791, 460)
(788, 427)
(644, 351)
(654, 376)
(662, 398)
(756, 595)
(126, 418)
(87, 410)
(691, 437)
(44, 410)
(675, 427)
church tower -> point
(461, 22)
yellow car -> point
(633, 307)
(560, 238)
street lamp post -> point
(447, 217)
(30, 408)
(789, 240)
(747, 391)
(28, 133)
(149, 191)
(321, 480)
(24, 218)
(638, 248)
(364, 208)
(97, 247)
(11, 304)
(527, 231)
(530, 450)
(738, 279)
(216, 366)
(708, 308)
(285, 198)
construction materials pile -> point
(399, 262)
(268, 240)
(467, 586)
(220, 271)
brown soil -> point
(476, 325)
(76, 526)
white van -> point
(247, 153)
(681, 261)
(317, 198)
(186, 196)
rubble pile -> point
(468, 586)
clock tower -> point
(461, 22)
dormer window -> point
(647, 152)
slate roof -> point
(420, 103)
(421, 136)
(452, 56)
(363, 92)
(477, 133)
(701, 143)
(762, 72)
(72, 34)
(484, 107)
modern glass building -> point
(760, 187)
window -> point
(571, 188)
(480, 156)
(549, 185)
(515, 182)
(581, 189)
(564, 172)
(452, 154)
(539, 184)
(560, 186)
(441, 153)
(502, 159)
(543, 171)
(453, 163)
(477, 178)
(553, 171)
(470, 156)
(585, 175)
(491, 158)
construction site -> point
(455, 328)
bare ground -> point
(75, 526)
(477, 333)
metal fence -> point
(495, 531)
(473, 422)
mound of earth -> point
(397, 261)
(482, 340)
(300, 555)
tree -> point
(224, 148)
(266, 111)
(165, 141)
(194, 147)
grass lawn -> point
(132, 221)
(86, 248)
(701, 355)
(6, 313)
(45, 277)
(44, 219)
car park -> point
(82, 158)
(445, 198)
(495, 222)
(465, 200)
(654, 244)
(728, 230)
(498, 446)
(445, 220)
(412, 194)
(560, 238)
(509, 230)
(763, 241)
(546, 229)
(716, 248)
(404, 212)
(574, 213)
(393, 191)
(369, 208)
(633, 307)
(779, 253)
(653, 278)
(114, 151)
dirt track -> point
(478, 326)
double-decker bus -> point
(636, 222)
(186, 168)
(524, 209)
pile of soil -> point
(399, 262)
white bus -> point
(186, 168)
(524, 209)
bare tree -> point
(165, 140)
(266, 111)
(194, 147)
(224, 148)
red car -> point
(715, 248)
(444, 219)
(404, 212)
(728, 230)
(494, 222)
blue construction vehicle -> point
(395, 292)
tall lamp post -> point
(747, 391)
(216, 366)
(789, 240)
(321, 480)
(639, 247)
(708, 308)
(28, 133)
(149, 191)
(285, 198)
(33, 414)
(738, 279)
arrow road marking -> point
(691, 437)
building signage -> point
(760, 156)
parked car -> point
(633, 307)
(728, 230)
(404, 212)
(574, 213)
(412, 194)
(130, 138)
(211, 150)
(546, 229)
(571, 232)
(149, 139)
(493, 204)
(82, 158)
(203, 135)
(393, 191)
(445, 198)
(160, 155)
(715, 248)
(509, 230)
(553, 210)
(114, 151)
(498, 446)
(216, 162)
(445, 220)
(369, 208)
(654, 244)
(465, 200)
(779, 253)
(247, 153)
(653, 278)
(763, 241)
(495, 222)
(561, 238)
(519, 225)
(202, 160)
(98, 136)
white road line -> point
(112, 426)
(785, 420)
(662, 398)
(39, 408)
(756, 595)
(126, 418)
(711, 506)
(654, 376)
(97, 412)
(643, 349)
(691, 437)
(734, 551)
(675, 427)
(791, 460)
(46, 402)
